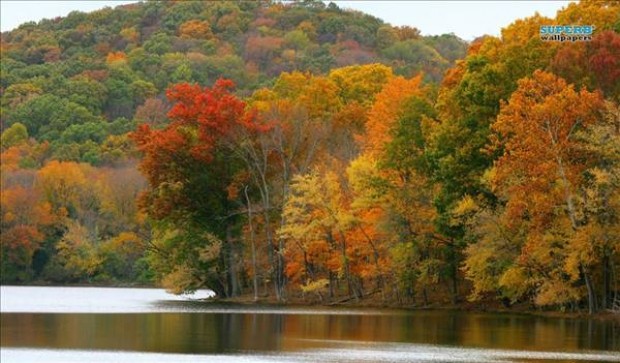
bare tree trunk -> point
(591, 296)
(614, 283)
(375, 254)
(233, 277)
(274, 256)
(567, 192)
(606, 284)
(347, 272)
(253, 245)
(453, 261)
(574, 222)
(280, 271)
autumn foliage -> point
(303, 152)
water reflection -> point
(372, 353)
(230, 332)
(149, 325)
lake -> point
(78, 324)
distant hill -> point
(82, 77)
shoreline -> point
(485, 306)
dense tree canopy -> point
(301, 151)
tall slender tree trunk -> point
(280, 271)
(454, 274)
(375, 254)
(274, 255)
(590, 288)
(233, 278)
(281, 262)
(347, 272)
(253, 245)
(613, 282)
(606, 282)
(455, 285)
(575, 224)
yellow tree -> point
(118, 190)
(596, 244)
(195, 29)
(370, 210)
(63, 183)
(602, 14)
(77, 252)
(360, 83)
(317, 222)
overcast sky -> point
(467, 19)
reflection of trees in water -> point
(196, 332)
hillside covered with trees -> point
(304, 152)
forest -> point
(300, 152)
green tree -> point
(14, 135)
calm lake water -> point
(81, 324)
